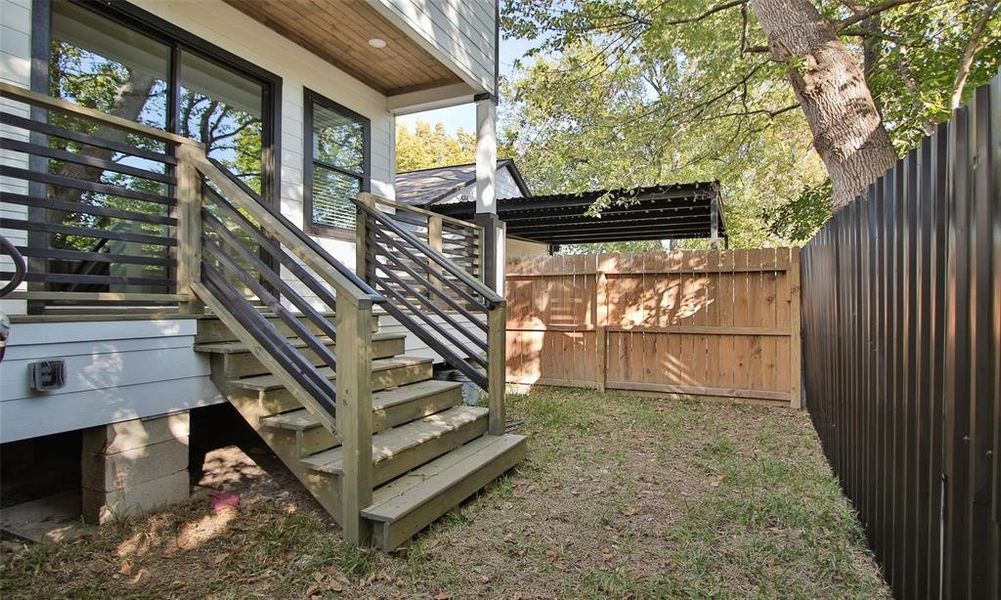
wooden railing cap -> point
(21, 94)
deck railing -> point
(427, 266)
(96, 191)
(177, 229)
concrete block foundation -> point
(133, 467)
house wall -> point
(115, 371)
(457, 32)
(15, 68)
(517, 248)
(231, 30)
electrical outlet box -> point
(47, 375)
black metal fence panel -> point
(902, 357)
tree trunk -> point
(848, 132)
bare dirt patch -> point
(621, 497)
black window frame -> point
(310, 99)
(179, 40)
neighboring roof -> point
(658, 212)
(428, 186)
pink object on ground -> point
(224, 500)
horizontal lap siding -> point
(902, 331)
(115, 371)
(15, 68)
(461, 30)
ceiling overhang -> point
(339, 32)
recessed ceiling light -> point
(377, 43)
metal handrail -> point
(326, 266)
(20, 266)
(364, 290)
(427, 213)
(386, 220)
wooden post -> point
(601, 341)
(601, 321)
(714, 223)
(497, 366)
(354, 412)
(188, 194)
(434, 269)
(795, 399)
(361, 237)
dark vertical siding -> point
(902, 367)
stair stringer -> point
(288, 380)
(324, 487)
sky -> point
(464, 116)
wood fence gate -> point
(707, 323)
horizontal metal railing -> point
(97, 192)
(440, 302)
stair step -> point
(386, 373)
(389, 407)
(413, 501)
(238, 361)
(212, 330)
(395, 451)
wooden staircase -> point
(429, 451)
(291, 332)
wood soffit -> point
(338, 32)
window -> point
(337, 165)
(223, 110)
(103, 65)
(121, 60)
(125, 62)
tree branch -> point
(872, 10)
(966, 61)
(712, 11)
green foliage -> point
(430, 146)
(625, 93)
(798, 219)
(613, 247)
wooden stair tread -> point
(265, 312)
(266, 383)
(241, 348)
(392, 442)
(302, 419)
(400, 496)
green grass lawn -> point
(621, 496)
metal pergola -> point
(663, 212)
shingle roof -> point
(428, 186)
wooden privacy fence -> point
(708, 323)
(902, 336)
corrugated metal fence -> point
(901, 334)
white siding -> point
(15, 68)
(231, 30)
(518, 248)
(457, 32)
(115, 371)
